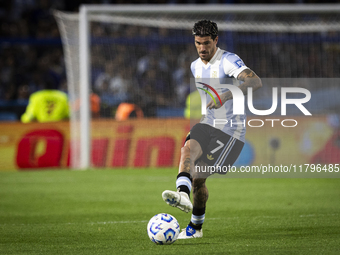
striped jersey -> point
(223, 68)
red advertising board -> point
(156, 143)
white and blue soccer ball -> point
(163, 228)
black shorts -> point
(219, 149)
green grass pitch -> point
(106, 212)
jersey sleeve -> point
(192, 68)
(233, 65)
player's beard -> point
(207, 56)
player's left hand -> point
(212, 105)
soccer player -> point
(47, 105)
(208, 144)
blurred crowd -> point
(135, 70)
(140, 70)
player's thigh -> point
(199, 140)
(227, 156)
(193, 143)
(195, 150)
(191, 149)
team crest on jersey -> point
(197, 76)
(214, 74)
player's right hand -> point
(212, 105)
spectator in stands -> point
(156, 87)
(47, 105)
(181, 81)
(128, 110)
(113, 84)
(94, 105)
(23, 93)
(151, 61)
(30, 59)
(104, 76)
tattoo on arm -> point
(246, 74)
(250, 79)
(226, 96)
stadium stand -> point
(30, 49)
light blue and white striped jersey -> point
(223, 68)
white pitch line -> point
(118, 222)
(224, 218)
(144, 221)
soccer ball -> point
(163, 228)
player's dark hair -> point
(205, 28)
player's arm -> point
(250, 80)
(29, 114)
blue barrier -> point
(231, 38)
